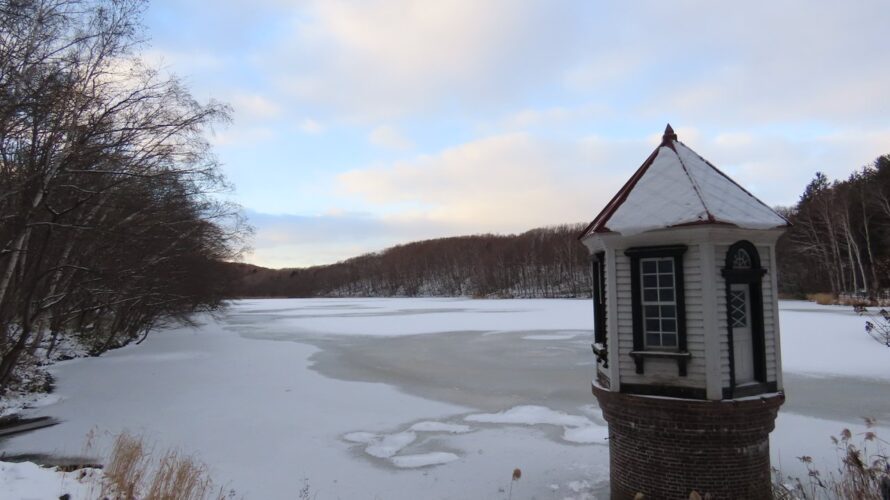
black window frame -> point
(600, 335)
(640, 353)
(598, 267)
(753, 277)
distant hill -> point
(543, 262)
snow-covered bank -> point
(406, 398)
(29, 481)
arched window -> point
(741, 259)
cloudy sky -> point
(362, 124)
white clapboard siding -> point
(663, 371)
(769, 321)
(722, 328)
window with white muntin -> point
(658, 305)
(659, 301)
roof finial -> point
(669, 135)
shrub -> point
(823, 299)
(864, 470)
(131, 474)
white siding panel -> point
(769, 321)
(719, 261)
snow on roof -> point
(675, 187)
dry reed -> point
(823, 299)
(179, 478)
(132, 474)
(864, 469)
(127, 467)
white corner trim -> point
(777, 343)
(714, 382)
(612, 321)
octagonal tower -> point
(688, 371)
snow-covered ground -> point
(416, 398)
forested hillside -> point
(840, 241)
(546, 262)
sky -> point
(358, 125)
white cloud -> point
(388, 137)
(310, 126)
(253, 106)
(299, 241)
(503, 183)
(514, 182)
(183, 60)
(243, 136)
(761, 62)
(384, 58)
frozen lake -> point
(418, 398)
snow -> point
(424, 460)
(430, 426)
(389, 445)
(27, 481)
(275, 391)
(550, 337)
(826, 341)
(680, 187)
(576, 429)
(399, 317)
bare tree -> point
(110, 222)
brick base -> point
(665, 448)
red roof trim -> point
(599, 223)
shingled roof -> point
(677, 187)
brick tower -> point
(688, 373)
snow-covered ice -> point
(424, 459)
(417, 398)
(530, 415)
(388, 445)
(430, 426)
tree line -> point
(544, 262)
(110, 218)
(840, 238)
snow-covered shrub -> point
(878, 326)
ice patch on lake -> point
(530, 415)
(555, 336)
(361, 437)
(423, 459)
(152, 358)
(432, 426)
(388, 445)
(576, 429)
(590, 434)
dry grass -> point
(864, 470)
(127, 466)
(824, 299)
(179, 478)
(132, 474)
